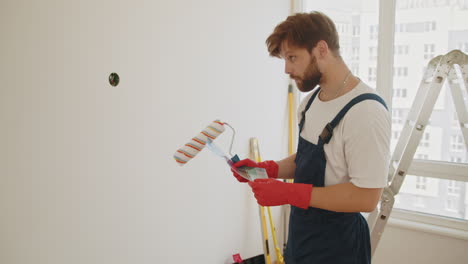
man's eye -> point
(292, 58)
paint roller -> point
(192, 148)
(205, 138)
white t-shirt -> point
(359, 151)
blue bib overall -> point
(317, 235)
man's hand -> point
(270, 166)
(271, 192)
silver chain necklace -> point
(342, 86)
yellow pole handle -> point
(255, 155)
(279, 256)
(266, 246)
(257, 158)
(291, 134)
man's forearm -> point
(287, 167)
(345, 197)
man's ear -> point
(321, 49)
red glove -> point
(271, 192)
(270, 166)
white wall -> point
(86, 169)
(409, 246)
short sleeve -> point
(366, 132)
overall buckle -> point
(327, 133)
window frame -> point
(422, 168)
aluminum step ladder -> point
(451, 68)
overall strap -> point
(327, 132)
(309, 103)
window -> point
(457, 143)
(463, 46)
(424, 140)
(430, 26)
(342, 28)
(355, 69)
(372, 53)
(401, 50)
(422, 156)
(455, 122)
(453, 188)
(429, 51)
(420, 4)
(400, 71)
(419, 37)
(417, 27)
(373, 31)
(356, 31)
(451, 204)
(421, 183)
(372, 76)
(400, 93)
(355, 53)
(401, 27)
(455, 159)
(433, 196)
(398, 116)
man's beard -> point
(311, 78)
